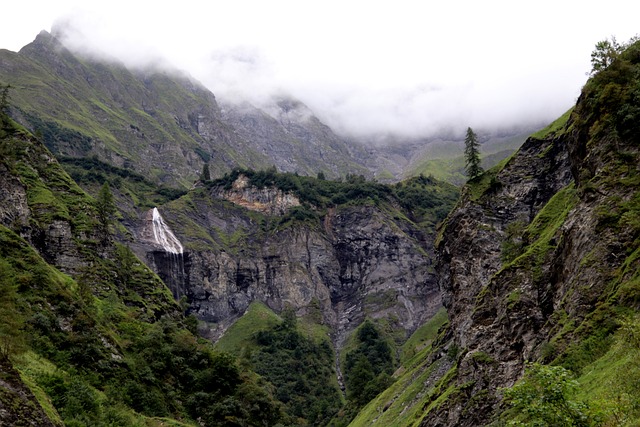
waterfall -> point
(171, 261)
(164, 236)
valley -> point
(171, 259)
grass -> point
(540, 233)
(30, 366)
(239, 336)
(553, 128)
(611, 384)
(486, 182)
(423, 336)
(407, 402)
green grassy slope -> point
(148, 121)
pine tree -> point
(472, 154)
(107, 209)
(206, 175)
(4, 109)
(4, 99)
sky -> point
(366, 68)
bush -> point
(544, 398)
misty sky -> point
(412, 68)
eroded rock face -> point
(476, 288)
(14, 209)
(506, 304)
(358, 262)
(18, 406)
(269, 201)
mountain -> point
(441, 157)
(323, 296)
(538, 267)
(295, 140)
(158, 122)
(89, 335)
(352, 260)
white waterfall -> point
(164, 236)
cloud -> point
(365, 67)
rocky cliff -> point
(540, 254)
(538, 263)
(81, 317)
(249, 244)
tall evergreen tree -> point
(107, 209)
(205, 176)
(4, 99)
(472, 154)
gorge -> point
(290, 288)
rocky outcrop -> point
(269, 201)
(536, 255)
(494, 309)
(359, 261)
(18, 405)
(295, 140)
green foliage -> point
(423, 336)
(130, 188)
(555, 127)
(53, 134)
(300, 370)
(205, 176)
(605, 52)
(369, 366)
(106, 209)
(513, 245)
(545, 397)
(610, 103)
(4, 101)
(11, 320)
(472, 154)
(239, 338)
(121, 352)
(539, 237)
(425, 200)
(612, 382)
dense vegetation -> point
(106, 344)
(300, 369)
(426, 200)
(130, 187)
(368, 366)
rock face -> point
(360, 261)
(476, 287)
(295, 140)
(18, 406)
(266, 200)
(534, 253)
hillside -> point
(538, 267)
(89, 335)
(157, 122)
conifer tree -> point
(472, 154)
(206, 175)
(4, 99)
(4, 107)
(106, 207)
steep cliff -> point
(351, 260)
(295, 140)
(539, 262)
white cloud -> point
(410, 67)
